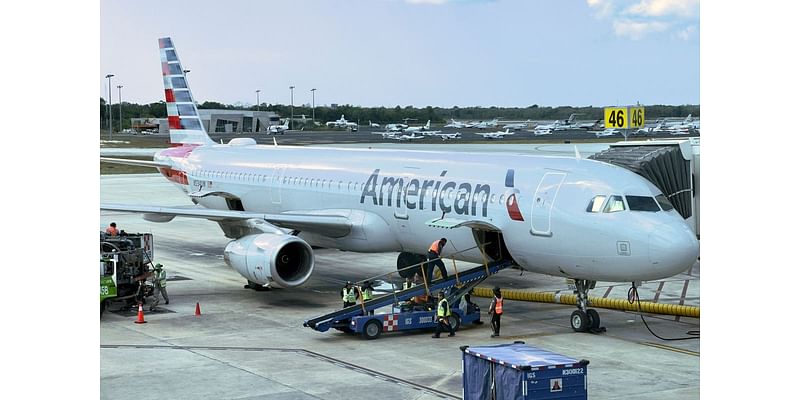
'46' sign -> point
(624, 117)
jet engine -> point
(283, 260)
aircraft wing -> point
(138, 163)
(323, 224)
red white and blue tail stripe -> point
(184, 121)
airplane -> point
(342, 123)
(546, 129)
(651, 129)
(606, 132)
(457, 124)
(590, 125)
(486, 124)
(567, 217)
(683, 128)
(568, 125)
(521, 125)
(495, 135)
(418, 128)
(374, 125)
(448, 136)
(276, 129)
(395, 127)
(412, 136)
(386, 134)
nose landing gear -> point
(585, 319)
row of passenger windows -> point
(614, 203)
(325, 184)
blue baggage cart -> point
(520, 372)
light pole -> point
(258, 108)
(109, 104)
(312, 104)
(291, 120)
(119, 87)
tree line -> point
(383, 115)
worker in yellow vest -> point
(159, 285)
(496, 310)
(442, 317)
(435, 260)
(366, 295)
(348, 295)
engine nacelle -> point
(284, 260)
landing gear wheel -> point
(372, 329)
(579, 321)
(594, 319)
(455, 321)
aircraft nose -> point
(673, 249)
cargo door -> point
(543, 201)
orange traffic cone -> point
(140, 319)
(197, 310)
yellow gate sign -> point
(616, 117)
(624, 117)
(636, 115)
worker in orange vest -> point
(434, 259)
(112, 229)
(496, 310)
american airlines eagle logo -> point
(512, 205)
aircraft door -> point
(276, 182)
(401, 216)
(543, 201)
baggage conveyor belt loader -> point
(356, 319)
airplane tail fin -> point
(185, 126)
(428, 125)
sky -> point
(506, 53)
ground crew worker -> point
(159, 285)
(434, 259)
(348, 295)
(496, 310)
(442, 317)
(112, 229)
(366, 295)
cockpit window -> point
(665, 204)
(642, 203)
(596, 205)
(614, 204)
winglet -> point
(275, 141)
(184, 121)
(577, 153)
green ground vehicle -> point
(124, 268)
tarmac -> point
(252, 345)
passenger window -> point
(642, 203)
(665, 204)
(596, 204)
(614, 204)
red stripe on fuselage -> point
(174, 175)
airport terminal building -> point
(217, 121)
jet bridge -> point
(672, 165)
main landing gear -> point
(585, 319)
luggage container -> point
(520, 372)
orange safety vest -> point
(498, 306)
(434, 247)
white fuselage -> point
(390, 194)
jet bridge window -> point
(642, 203)
(664, 203)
